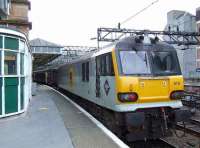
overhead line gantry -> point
(173, 37)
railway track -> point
(192, 127)
(159, 143)
(191, 100)
(166, 144)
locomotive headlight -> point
(177, 95)
(127, 97)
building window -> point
(22, 46)
(197, 15)
(10, 63)
(11, 43)
(198, 54)
(1, 46)
(1, 42)
(0, 65)
(22, 64)
(198, 64)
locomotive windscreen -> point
(149, 62)
(134, 62)
(164, 63)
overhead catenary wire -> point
(131, 17)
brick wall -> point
(18, 16)
(19, 11)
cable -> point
(184, 131)
(131, 17)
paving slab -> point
(84, 133)
(40, 127)
(52, 122)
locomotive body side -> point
(80, 78)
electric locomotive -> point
(136, 84)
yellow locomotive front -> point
(147, 73)
(149, 86)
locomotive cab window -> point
(105, 65)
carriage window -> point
(106, 65)
(103, 65)
(110, 68)
(98, 66)
(85, 72)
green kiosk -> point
(15, 72)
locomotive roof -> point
(139, 44)
(125, 43)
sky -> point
(75, 22)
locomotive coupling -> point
(135, 119)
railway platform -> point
(53, 122)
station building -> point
(15, 72)
(15, 57)
(185, 22)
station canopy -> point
(50, 55)
(44, 51)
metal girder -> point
(53, 56)
(72, 51)
(46, 49)
(180, 38)
(78, 48)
